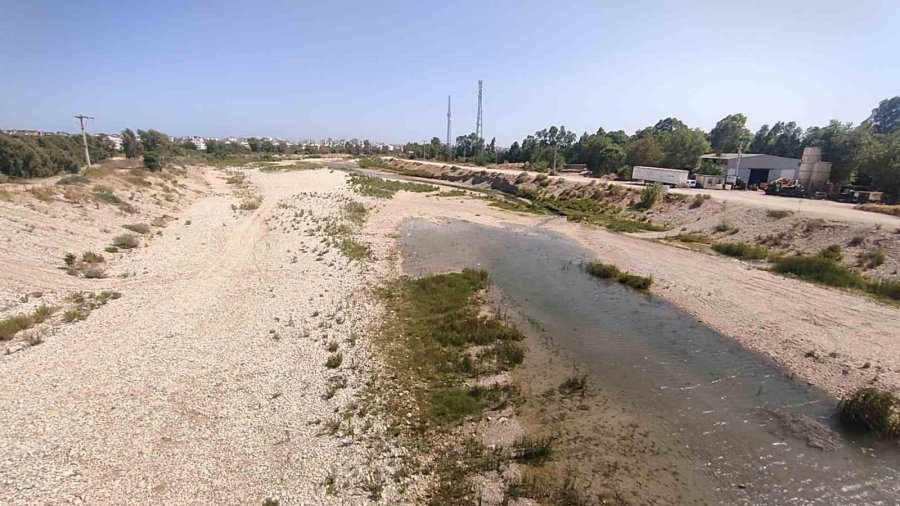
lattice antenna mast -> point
(479, 124)
(449, 147)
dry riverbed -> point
(242, 356)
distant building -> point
(755, 168)
(199, 142)
(116, 139)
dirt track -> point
(824, 209)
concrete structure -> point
(709, 181)
(813, 173)
(755, 168)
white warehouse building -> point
(755, 168)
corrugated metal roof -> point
(730, 156)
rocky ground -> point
(219, 372)
(228, 358)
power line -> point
(87, 156)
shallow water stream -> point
(764, 437)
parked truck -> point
(672, 177)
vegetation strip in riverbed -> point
(372, 186)
(436, 339)
(611, 272)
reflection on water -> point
(765, 437)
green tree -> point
(152, 160)
(130, 145)
(708, 167)
(668, 125)
(602, 155)
(782, 139)
(646, 151)
(885, 118)
(683, 148)
(880, 164)
(730, 134)
(152, 140)
(841, 144)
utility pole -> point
(449, 149)
(87, 156)
(479, 125)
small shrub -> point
(250, 204)
(353, 250)
(857, 240)
(10, 326)
(607, 271)
(889, 288)
(70, 259)
(41, 313)
(649, 196)
(89, 257)
(741, 250)
(111, 249)
(447, 405)
(332, 346)
(73, 179)
(603, 271)
(725, 227)
(139, 228)
(870, 259)
(777, 214)
(522, 177)
(355, 212)
(93, 273)
(508, 354)
(819, 270)
(699, 199)
(13, 324)
(334, 361)
(106, 195)
(832, 252)
(574, 384)
(692, 237)
(125, 241)
(533, 450)
(43, 194)
(871, 410)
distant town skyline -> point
(384, 71)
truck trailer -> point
(672, 177)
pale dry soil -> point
(205, 383)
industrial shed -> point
(755, 168)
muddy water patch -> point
(764, 437)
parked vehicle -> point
(852, 194)
(671, 177)
(785, 187)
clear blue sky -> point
(383, 70)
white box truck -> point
(674, 177)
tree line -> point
(867, 154)
(49, 154)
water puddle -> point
(764, 437)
